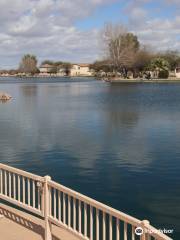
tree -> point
(129, 40)
(160, 66)
(142, 60)
(121, 46)
(28, 64)
(104, 65)
(173, 57)
(67, 67)
(58, 63)
(50, 62)
(47, 62)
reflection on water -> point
(29, 91)
(116, 143)
(4, 101)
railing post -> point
(145, 224)
(48, 234)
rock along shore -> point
(4, 96)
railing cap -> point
(145, 223)
(47, 178)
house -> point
(177, 71)
(80, 70)
(62, 70)
(45, 69)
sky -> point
(69, 30)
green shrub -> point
(163, 74)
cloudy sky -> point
(69, 29)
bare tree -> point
(121, 47)
(112, 42)
(28, 64)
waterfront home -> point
(177, 71)
(45, 69)
(75, 70)
(81, 70)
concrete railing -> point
(77, 213)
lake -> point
(117, 143)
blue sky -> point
(69, 29)
(108, 13)
(117, 12)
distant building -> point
(61, 70)
(177, 71)
(45, 69)
(80, 70)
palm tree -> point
(160, 66)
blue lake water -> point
(119, 144)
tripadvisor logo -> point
(139, 231)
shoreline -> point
(170, 80)
(45, 76)
(112, 81)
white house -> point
(75, 70)
(45, 69)
(80, 70)
(177, 71)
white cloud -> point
(48, 29)
(159, 33)
(174, 2)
